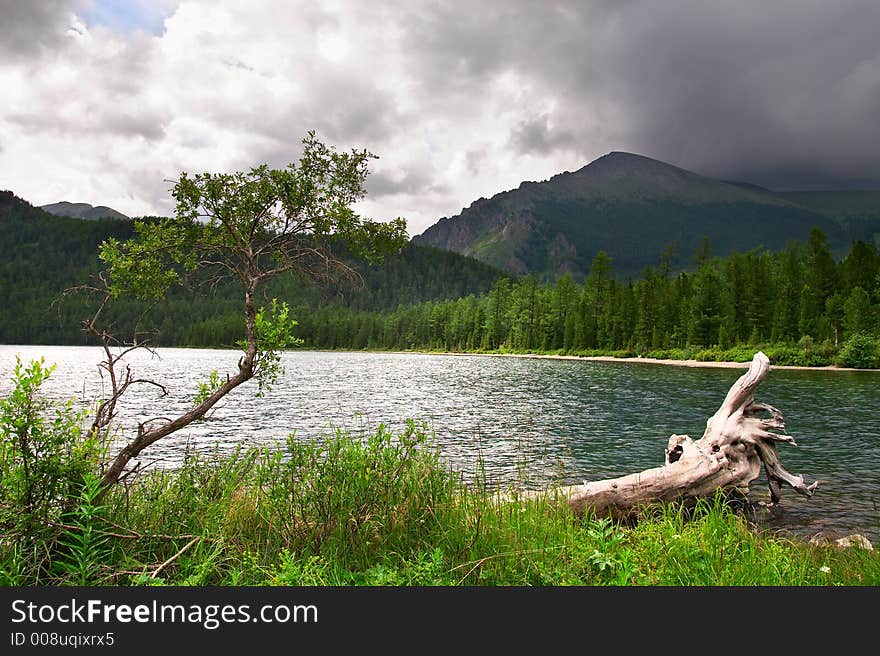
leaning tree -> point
(250, 227)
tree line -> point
(42, 255)
(799, 298)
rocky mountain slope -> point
(632, 207)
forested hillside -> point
(802, 301)
(858, 212)
(41, 255)
(800, 305)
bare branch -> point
(156, 571)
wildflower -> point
(825, 569)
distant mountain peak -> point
(83, 211)
(624, 156)
(620, 162)
(629, 176)
(629, 205)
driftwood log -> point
(739, 439)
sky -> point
(107, 102)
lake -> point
(531, 422)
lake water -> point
(532, 422)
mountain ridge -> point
(633, 207)
(83, 211)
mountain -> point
(41, 255)
(858, 212)
(632, 207)
(83, 211)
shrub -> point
(860, 351)
(46, 459)
(816, 356)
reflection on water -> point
(531, 421)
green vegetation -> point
(353, 509)
(41, 255)
(858, 212)
(799, 306)
(48, 462)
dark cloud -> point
(459, 46)
(345, 110)
(31, 27)
(781, 94)
(536, 136)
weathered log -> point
(739, 438)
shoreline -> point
(543, 356)
(635, 360)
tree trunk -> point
(728, 457)
(147, 436)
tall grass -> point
(382, 509)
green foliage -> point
(811, 356)
(135, 265)
(254, 225)
(427, 299)
(292, 569)
(206, 389)
(358, 496)
(47, 460)
(860, 351)
(706, 308)
(44, 454)
(609, 555)
(858, 312)
(711, 544)
(274, 333)
(725, 311)
(83, 541)
(41, 255)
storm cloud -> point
(459, 100)
(783, 94)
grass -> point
(382, 509)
